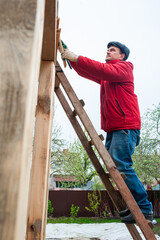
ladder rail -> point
(103, 176)
(97, 165)
(125, 192)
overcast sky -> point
(88, 25)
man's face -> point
(114, 53)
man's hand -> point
(69, 55)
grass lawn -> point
(156, 229)
(81, 220)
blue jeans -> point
(121, 145)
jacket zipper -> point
(103, 106)
(103, 103)
(123, 113)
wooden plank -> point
(58, 69)
(47, 187)
(21, 31)
(41, 153)
(57, 37)
(125, 192)
(87, 146)
(133, 231)
(50, 27)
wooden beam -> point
(41, 153)
(50, 28)
(21, 31)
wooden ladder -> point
(61, 80)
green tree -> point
(78, 164)
(147, 168)
(151, 131)
(147, 154)
(72, 160)
(58, 149)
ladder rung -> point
(82, 103)
(57, 82)
(150, 224)
(100, 136)
(122, 175)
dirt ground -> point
(103, 231)
(78, 238)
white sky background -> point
(87, 26)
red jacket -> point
(119, 104)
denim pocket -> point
(138, 137)
(138, 140)
(126, 131)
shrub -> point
(50, 208)
(94, 202)
(74, 211)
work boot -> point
(130, 219)
(124, 212)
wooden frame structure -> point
(28, 53)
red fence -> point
(63, 199)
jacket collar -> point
(113, 61)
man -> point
(120, 116)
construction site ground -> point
(96, 231)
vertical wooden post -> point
(43, 131)
(50, 30)
(41, 153)
(21, 31)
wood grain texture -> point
(21, 29)
(41, 153)
(50, 28)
